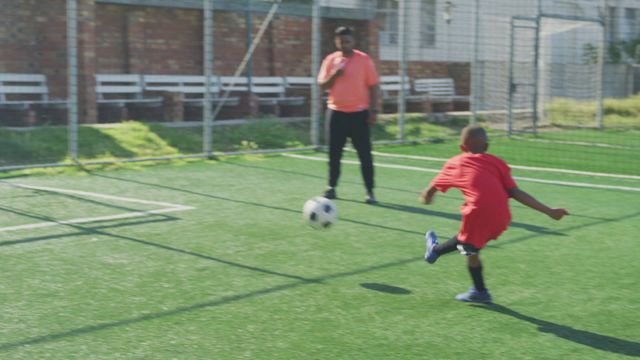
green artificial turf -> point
(242, 276)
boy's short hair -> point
(474, 132)
(343, 30)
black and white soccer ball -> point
(320, 212)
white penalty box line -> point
(421, 169)
(165, 208)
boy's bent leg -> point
(434, 249)
(447, 246)
(431, 240)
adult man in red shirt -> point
(352, 81)
(486, 183)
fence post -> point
(511, 85)
(601, 67)
(315, 65)
(72, 86)
(207, 127)
(475, 72)
(536, 67)
(402, 65)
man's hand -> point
(328, 83)
(557, 214)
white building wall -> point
(562, 42)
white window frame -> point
(428, 23)
(387, 15)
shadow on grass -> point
(537, 231)
(251, 203)
(389, 289)
(600, 341)
(319, 177)
(458, 217)
(416, 192)
(586, 338)
(86, 198)
(194, 307)
(84, 232)
(96, 231)
(599, 221)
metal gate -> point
(523, 58)
(551, 63)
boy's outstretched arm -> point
(528, 200)
(426, 196)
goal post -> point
(555, 66)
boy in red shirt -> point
(486, 183)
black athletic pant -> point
(353, 125)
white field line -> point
(415, 168)
(582, 143)
(520, 167)
(166, 207)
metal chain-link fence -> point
(104, 80)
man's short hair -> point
(343, 30)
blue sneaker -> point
(431, 240)
(475, 296)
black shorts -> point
(467, 249)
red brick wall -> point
(154, 40)
(291, 46)
(169, 41)
(111, 44)
(149, 40)
(33, 38)
(17, 36)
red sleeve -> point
(447, 176)
(505, 176)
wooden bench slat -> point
(26, 78)
(14, 89)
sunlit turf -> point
(242, 276)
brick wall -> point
(33, 38)
(18, 37)
(169, 41)
(150, 40)
(154, 40)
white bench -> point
(188, 86)
(271, 90)
(438, 90)
(390, 87)
(20, 91)
(119, 90)
(299, 82)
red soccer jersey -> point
(484, 180)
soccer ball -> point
(320, 212)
